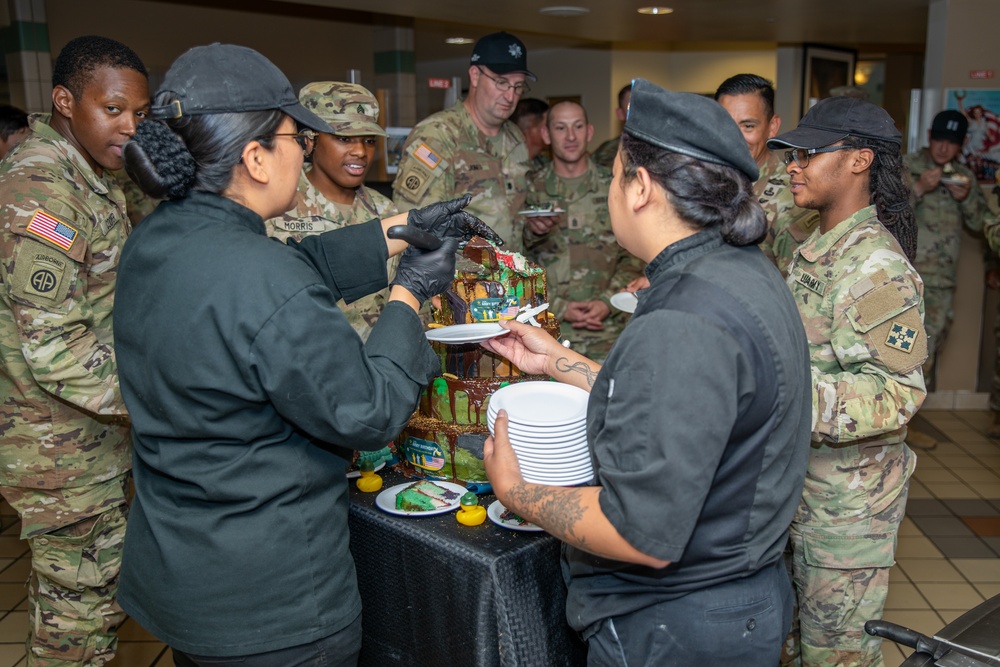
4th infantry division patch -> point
(901, 337)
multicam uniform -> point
(66, 451)
(137, 203)
(582, 259)
(939, 223)
(787, 224)
(446, 156)
(860, 302)
(606, 152)
(315, 214)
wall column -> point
(25, 40)
(395, 71)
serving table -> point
(439, 593)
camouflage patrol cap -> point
(350, 109)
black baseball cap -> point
(689, 124)
(835, 118)
(226, 78)
(950, 125)
(503, 53)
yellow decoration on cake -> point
(471, 512)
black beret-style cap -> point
(503, 53)
(226, 78)
(835, 118)
(692, 125)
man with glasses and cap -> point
(861, 302)
(947, 199)
(473, 147)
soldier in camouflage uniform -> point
(331, 193)
(66, 451)
(138, 203)
(860, 301)
(749, 99)
(947, 198)
(606, 152)
(473, 147)
(585, 265)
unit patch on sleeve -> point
(41, 277)
(901, 337)
(46, 226)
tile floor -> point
(948, 559)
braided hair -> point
(890, 191)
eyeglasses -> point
(306, 139)
(801, 155)
(503, 85)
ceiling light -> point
(458, 40)
(655, 10)
(564, 11)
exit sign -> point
(981, 74)
(439, 83)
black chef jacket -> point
(237, 368)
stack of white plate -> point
(547, 424)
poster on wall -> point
(982, 145)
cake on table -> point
(444, 439)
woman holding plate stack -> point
(698, 423)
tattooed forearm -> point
(564, 366)
(562, 510)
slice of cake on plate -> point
(424, 496)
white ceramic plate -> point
(625, 301)
(571, 459)
(494, 511)
(354, 474)
(386, 501)
(541, 404)
(539, 434)
(465, 333)
(537, 213)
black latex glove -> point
(447, 220)
(427, 272)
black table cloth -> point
(439, 593)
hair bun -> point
(159, 162)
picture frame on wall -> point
(981, 151)
(394, 147)
(824, 69)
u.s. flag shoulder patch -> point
(427, 156)
(50, 228)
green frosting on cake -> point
(424, 496)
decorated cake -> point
(444, 439)
(424, 496)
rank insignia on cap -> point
(427, 156)
(901, 337)
(514, 50)
(52, 229)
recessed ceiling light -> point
(564, 11)
(655, 10)
(458, 40)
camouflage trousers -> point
(937, 320)
(72, 612)
(841, 581)
(995, 386)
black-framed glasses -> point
(801, 155)
(503, 85)
(306, 139)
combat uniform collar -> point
(39, 124)
(773, 166)
(684, 251)
(509, 132)
(591, 178)
(819, 244)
